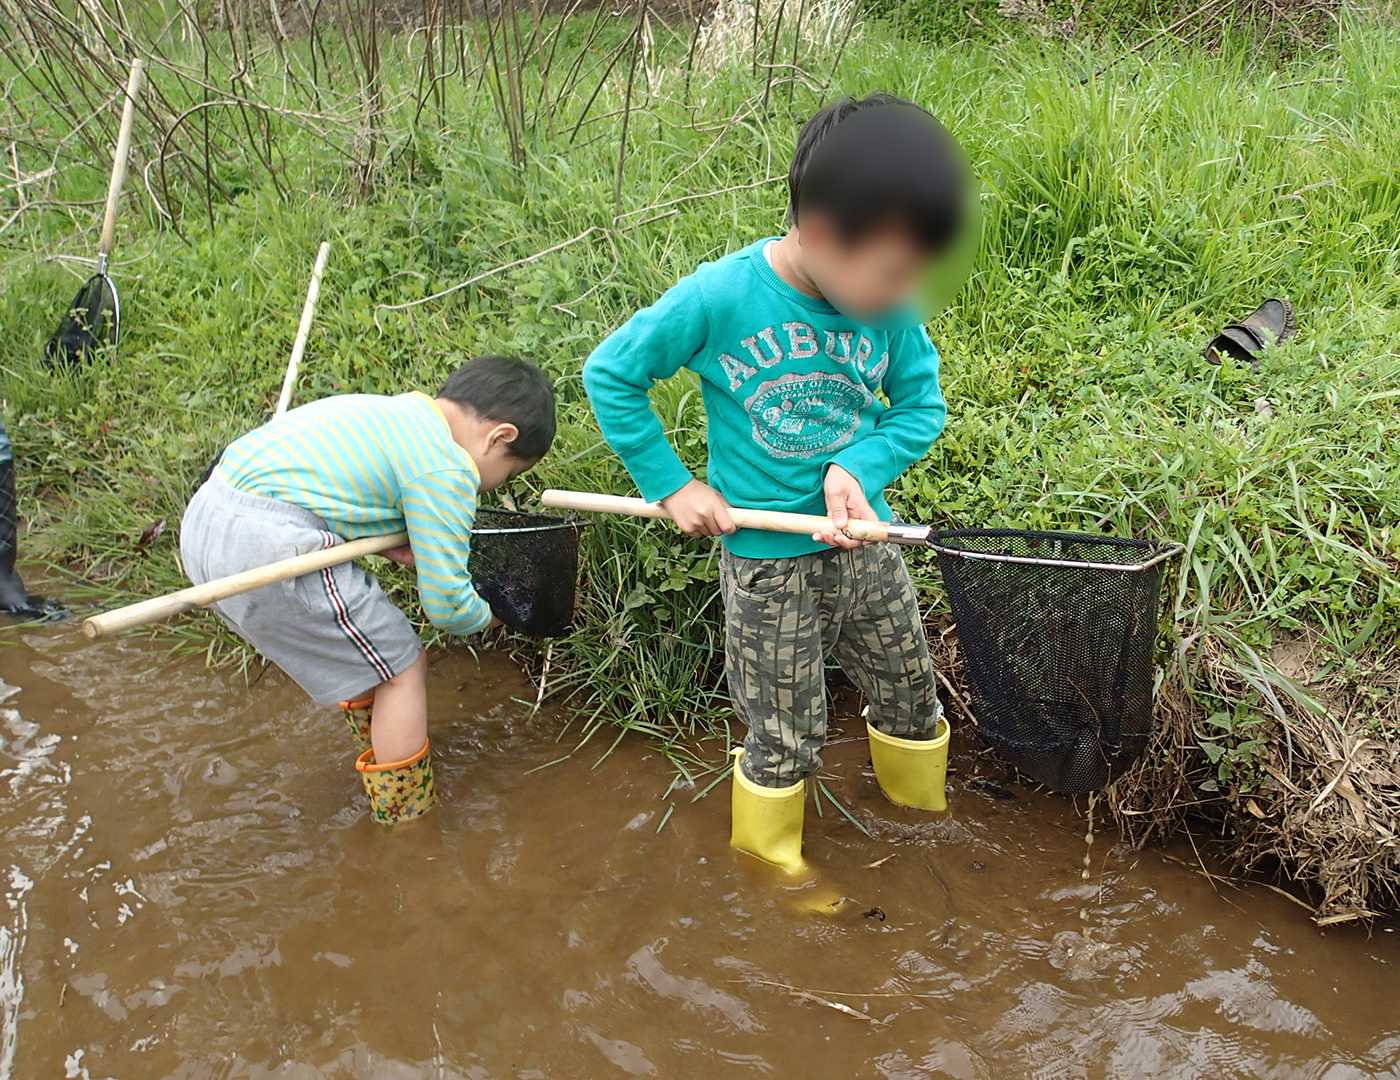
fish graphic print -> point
(807, 415)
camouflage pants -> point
(784, 617)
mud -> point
(193, 891)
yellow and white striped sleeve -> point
(439, 508)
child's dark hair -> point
(507, 390)
(862, 162)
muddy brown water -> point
(192, 890)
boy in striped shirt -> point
(365, 465)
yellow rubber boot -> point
(767, 822)
(911, 772)
(358, 714)
(400, 791)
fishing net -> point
(1058, 632)
(93, 320)
(526, 567)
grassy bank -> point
(1128, 215)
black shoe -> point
(1271, 322)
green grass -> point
(1128, 215)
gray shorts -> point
(333, 631)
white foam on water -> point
(11, 980)
(31, 771)
(74, 1069)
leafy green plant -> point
(1234, 742)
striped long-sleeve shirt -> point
(372, 465)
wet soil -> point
(192, 890)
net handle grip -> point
(119, 159)
(160, 608)
(765, 520)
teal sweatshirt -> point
(790, 386)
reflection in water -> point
(193, 891)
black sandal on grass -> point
(1271, 322)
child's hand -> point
(699, 510)
(845, 499)
(401, 554)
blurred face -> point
(864, 278)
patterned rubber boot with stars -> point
(358, 714)
(399, 791)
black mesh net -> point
(1057, 632)
(526, 567)
(93, 320)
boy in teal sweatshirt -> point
(820, 388)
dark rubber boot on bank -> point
(15, 599)
(13, 595)
(1272, 321)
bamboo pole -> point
(308, 313)
(160, 608)
(767, 520)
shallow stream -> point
(192, 890)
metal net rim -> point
(1151, 552)
(557, 524)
